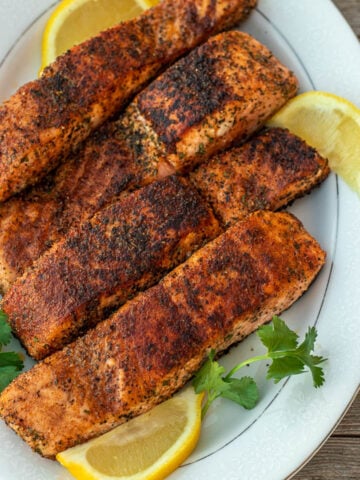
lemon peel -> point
(329, 123)
(148, 447)
(74, 21)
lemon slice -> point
(330, 124)
(74, 21)
(147, 447)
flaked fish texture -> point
(153, 344)
(269, 171)
(48, 117)
(218, 94)
(126, 247)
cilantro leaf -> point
(11, 358)
(243, 391)
(5, 330)
(7, 375)
(312, 361)
(309, 341)
(288, 358)
(277, 336)
(209, 377)
(284, 367)
(10, 362)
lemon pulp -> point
(81, 26)
(330, 124)
(140, 452)
(74, 21)
(148, 447)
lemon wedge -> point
(147, 447)
(74, 21)
(330, 124)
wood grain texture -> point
(339, 457)
(350, 425)
(350, 9)
(337, 460)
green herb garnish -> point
(10, 362)
(287, 356)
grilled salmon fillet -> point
(47, 117)
(41, 311)
(216, 99)
(266, 173)
(33, 220)
(127, 247)
(154, 343)
(221, 92)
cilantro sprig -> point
(288, 358)
(10, 362)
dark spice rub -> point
(82, 278)
(154, 343)
(270, 170)
(219, 94)
(48, 117)
(246, 85)
(124, 248)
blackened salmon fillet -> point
(269, 171)
(62, 296)
(48, 117)
(124, 248)
(220, 93)
(154, 343)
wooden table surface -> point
(339, 457)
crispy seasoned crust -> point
(222, 90)
(46, 118)
(31, 222)
(266, 172)
(124, 248)
(153, 344)
(269, 171)
(220, 93)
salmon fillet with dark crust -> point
(266, 173)
(124, 248)
(48, 117)
(31, 222)
(221, 92)
(52, 317)
(216, 99)
(152, 345)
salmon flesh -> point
(48, 117)
(219, 94)
(153, 344)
